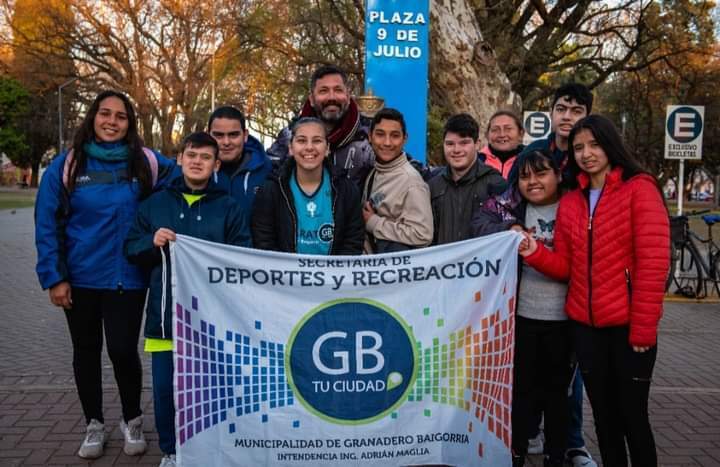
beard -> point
(331, 115)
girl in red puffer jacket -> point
(612, 243)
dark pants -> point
(120, 314)
(575, 438)
(617, 381)
(162, 374)
(541, 377)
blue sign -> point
(396, 62)
(351, 361)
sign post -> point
(683, 140)
(396, 65)
(536, 124)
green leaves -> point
(14, 106)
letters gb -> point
(344, 356)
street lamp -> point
(60, 117)
(212, 82)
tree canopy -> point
(485, 54)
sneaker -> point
(134, 438)
(536, 445)
(92, 445)
(168, 460)
(580, 457)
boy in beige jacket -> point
(396, 200)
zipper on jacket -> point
(292, 213)
(333, 193)
(628, 282)
(590, 313)
(590, 247)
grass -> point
(15, 199)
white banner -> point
(398, 359)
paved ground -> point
(41, 419)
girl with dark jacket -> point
(542, 369)
(87, 200)
(612, 244)
(304, 208)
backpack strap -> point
(153, 163)
(66, 168)
(149, 156)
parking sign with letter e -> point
(684, 131)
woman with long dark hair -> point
(612, 243)
(85, 205)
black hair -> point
(200, 139)
(389, 114)
(304, 121)
(229, 112)
(464, 125)
(609, 139)
(138, 167)
(325, 70)
(537, 161)
(574, 91)
(505, 113)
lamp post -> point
(212, 82)
(60, 117)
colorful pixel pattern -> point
(472, 371)
(217, 377)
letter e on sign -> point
(536, 124)
(684, 131)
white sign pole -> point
(681, 187)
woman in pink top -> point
(504, 134)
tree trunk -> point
(35, 166)
(466, 77)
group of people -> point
(595, 245)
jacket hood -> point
(257, 154)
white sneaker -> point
(580, 457)
(94, 442)
(134, 439)
(536, 445)
(168, 460)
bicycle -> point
(690, 271)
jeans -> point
(163, 402)
(575, 401)
(119, 313)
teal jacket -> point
(216, 217)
